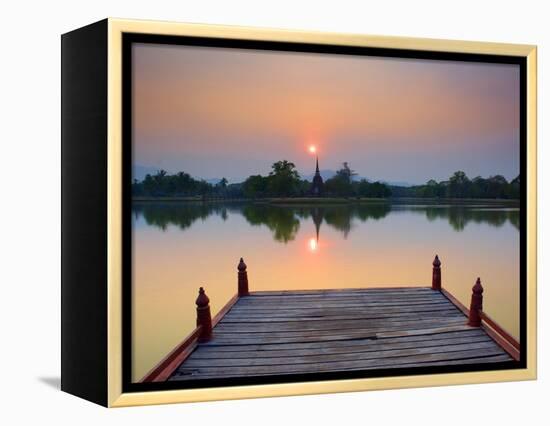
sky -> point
(221, 112)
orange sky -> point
(217, 112)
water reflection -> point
(178, 247)
(284, 221)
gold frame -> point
(116, 27)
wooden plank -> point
(435, 330)
(290, 313)
(338, 330)
(337, 292)
(340, 365)
(343, 324)
(341, 297)
(300, 315)
(239, 319)
(410, 289)
(366, 346)
(333, 305)
(198, 362)
(257, 338)
(250, 310)
(342, 336)
(380, 295)
(344, 303)
(267, 347)
(479, 360)
(274, 330)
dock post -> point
(436, 274)
(243, 279)
(476, 305)
(204, 318)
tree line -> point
(180, 184)
(343, 183)
(460, 186)
(282, 181)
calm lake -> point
(178, 247)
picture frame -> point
(97, 128)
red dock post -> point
(476, 305)
(243, 279)
(436, 274)
(204, 318)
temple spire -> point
(317, 183)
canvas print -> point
(309, 215)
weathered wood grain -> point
(302, 332)
(197, 361)
(335, 291)
(341, 297)
(479, 360)
(365, 315)
(291, 313)
(343, 324)
(345, 296)
(252, 336)
(219, 348)
(336, 304)
(341, 365)
(361, 346)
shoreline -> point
(330, 200)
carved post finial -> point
(476, 305)
(204, 318)
(436, 274)
(242, 279)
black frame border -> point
(128, 39)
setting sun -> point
(312, 149)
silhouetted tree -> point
(255, 186)
(284, 179)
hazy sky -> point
(215, 112)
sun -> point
(312, 149)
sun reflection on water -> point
(313, 245)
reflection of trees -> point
(284, 220)
(460, 216)
(182, 215)
(281, 221)
(513, 217)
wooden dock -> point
(298, 332)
